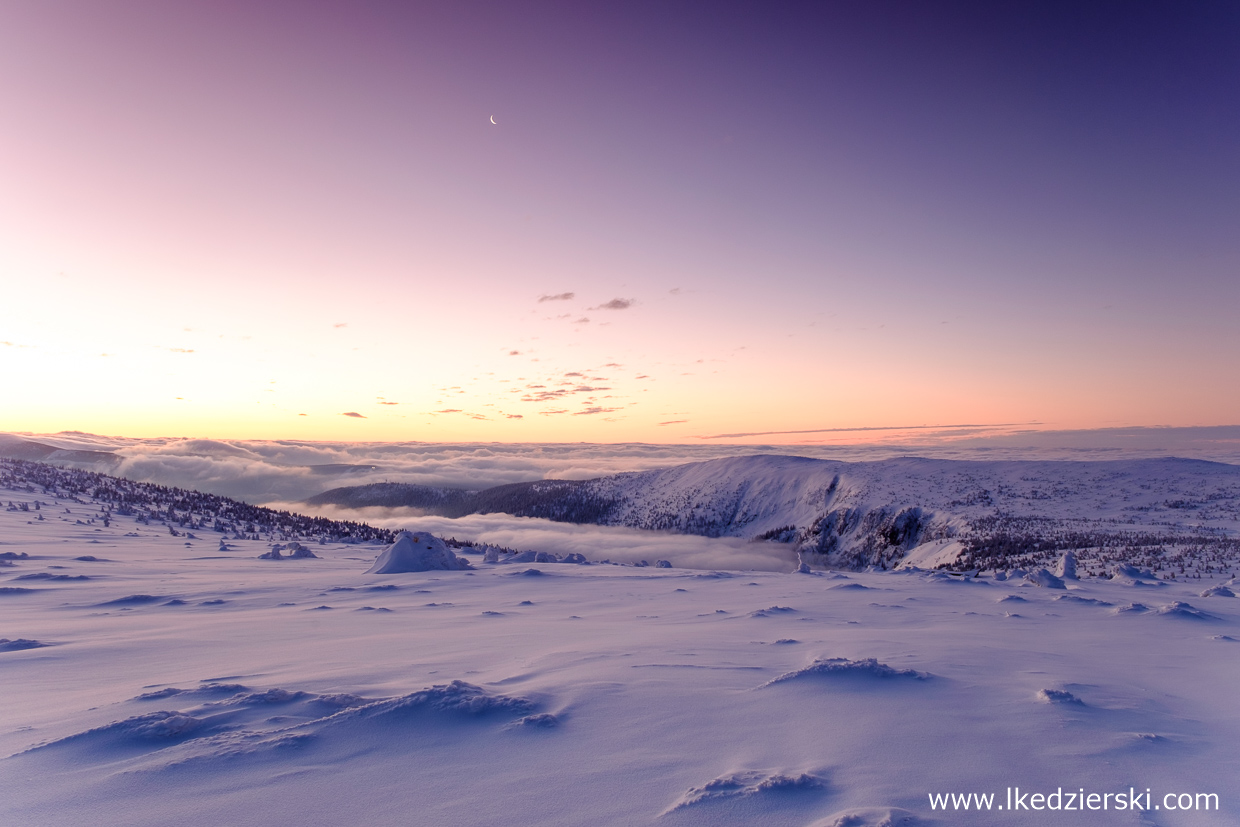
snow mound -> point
(417, 552)
(871, 817)
(1133, 576)
(1059, 696)
(457, 698)
(160, 728)
(772, 611)
(867, 669)
(748, 784)
(1185, 610)
(1130, 608)
(1043, 578)
(1218, 591)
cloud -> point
(180, 350)
(582, 320)
(558, 297)
(353, 414)
(594, 410)
(261, 472)
(540, 393)
(514, 353)
(341, 324)
(861, 430)
(620, 545)
(674, 422)
(616, 304)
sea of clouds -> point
(283, 473)
(597, 543)
(269, 471)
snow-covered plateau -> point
(156, 671)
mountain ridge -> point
(857, 514)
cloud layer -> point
(269, 471)
(619, 545)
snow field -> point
(183, 684)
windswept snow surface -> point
(156, 680)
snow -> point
(417, 552)
(320, 693)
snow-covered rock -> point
(296, 551)
(417, 552)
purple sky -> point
(816, 215)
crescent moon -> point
(493, 120)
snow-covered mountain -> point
(857, 514)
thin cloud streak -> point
(616, 304)
(873, 428)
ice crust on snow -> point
(20, 644)
(242, 724)
(748, 784)
(834, 668)
(871, 817)
(1059, 696)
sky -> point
(617, 222)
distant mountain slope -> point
(176, 508)
(873, 513)
(12, 447)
